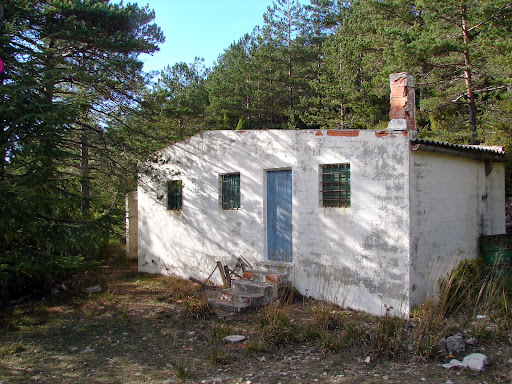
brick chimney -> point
(403, 104)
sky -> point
(202, 28)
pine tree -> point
(448, 45)
(462, 37)
(325, 105)
(287, 59)
(69, 65)
(231, 85)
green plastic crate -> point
(497, 248)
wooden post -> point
(222, 274)
(228, 275)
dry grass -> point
(147, 328)
(469, 290)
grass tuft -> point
(217, 357)
(328, 319)
(219, 332)
(288, 294)
(388, 336)
(180, 370)
(198, 308)
(276, 326)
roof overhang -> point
(475, 152)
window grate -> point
(174, 195)
(230, 191)
(335, 186)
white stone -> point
(94, 289)
(233, 339)
(475, 361)
(454, 363)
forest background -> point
(77, 111)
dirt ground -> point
(142, 329)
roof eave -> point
(480, 154)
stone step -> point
(270, 291)
(254, 299)
(258, 288)
(274, 266)
(246, 285)
(265, 276)
(231, 306)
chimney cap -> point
(402, 75)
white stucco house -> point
(362, 218)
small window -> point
(230, 191)
(174, 195)
(335, 186)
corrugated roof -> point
(478, 151)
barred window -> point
(230, 191)
(174, 195)
(335, 186)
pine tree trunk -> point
(85, 173)
(4, 294)
(469, 84)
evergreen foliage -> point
(69, 65)
(327, 64)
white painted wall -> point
(131, 221)
(453, 202)
(357, 257)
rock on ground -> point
(475, 362)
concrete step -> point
(266, 276)
(274, 266)
(230, 306)
(268, 290)
(247, 285)
(258, 288)
(253, 299)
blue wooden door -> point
(279, 215)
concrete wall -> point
(131, 225)
(453, 202)
(356, 257)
